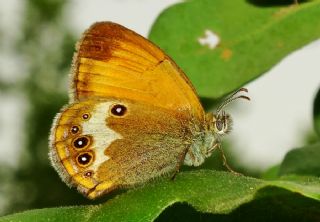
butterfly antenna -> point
(233, 97)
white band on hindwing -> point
(102, 135)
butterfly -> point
(133, 115)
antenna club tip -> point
(234, 97)
(243, 90)
(243, 97)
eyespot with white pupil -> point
(88, 174)
(84, 159)
(81, 142)
(75, 129)
(85, 116)
(118, 110)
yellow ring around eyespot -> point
(79, 129)
(86, 164)
(86, 116)
(123, 111)
(89, 139)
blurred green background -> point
(45, 46)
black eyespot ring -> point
(88, 174)
(219, 125)
(84, 159)
(75, 129)
(118, 110)
(81, 142)
(85, 116)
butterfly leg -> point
(181, 159)
(224, 159)
(212, 148)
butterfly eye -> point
(81, 142)
(118, 110)
(84, 159)
(85, 116)
(74, 129)
(219, 125)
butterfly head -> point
(222, 121)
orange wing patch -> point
(115, 62)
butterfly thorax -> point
(206, 137)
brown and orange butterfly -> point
(133, 115)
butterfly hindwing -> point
(97, 147)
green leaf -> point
(316, 113)
(252, 39)
(302, 161)
(283, 206)
(271, 173)
(206, 191)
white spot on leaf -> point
(210, 39)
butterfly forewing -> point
(113, 61)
